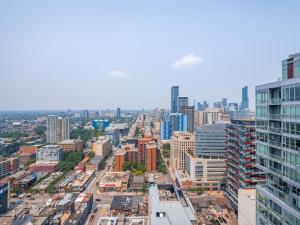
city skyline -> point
(58, 55)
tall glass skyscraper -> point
(172, 122)
(245, 98)
(174, 95)
(182, 101)
(278, 147)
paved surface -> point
(105, 200)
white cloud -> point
(118, 74)
(187, 61)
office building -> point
(102, 147)
(247, 207)
(233, 106)
(224, 102)
(165, 128)
(174, 95)
(182, 101)
(241, 171)
(118, 113)
(100, 124)
(218, 105)
(210, 116)
(278, 145)
(171, 123)
(180, 143)
(4, 197)
(245, 98)
(202, 106)
(57, 129)
(240, 114)
(85, 114)
(210, 140)
(188, 111)
(49, 153)
(205, 171)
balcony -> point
(275, 143)
(275, 116)
(275, 101)
(275, 130)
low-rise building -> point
(207, 172)
(71, 145)
(114, 181)
(96, 163)
(8, 165)
(49, 153)
(44, 167)
(166, 207)
(128, 206)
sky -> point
(107, 54)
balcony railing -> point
(275, 130)
(275, 100)
(275, 116)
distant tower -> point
(57, 129)
(182, 101)
(118, 113)
(188, 111)
(174, 95)
(85, 114)
(245, 98)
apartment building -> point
(278, 145)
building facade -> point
(71, 145)
(174, 95)
(8, 165)
(4, 197)
(188, 111)
(49, 153)
(210, 140)
(241, 171)
(102, 147)
(245, 98)
(182, 101)
(278, 145)
(172, 122)
(57, 129)
(205, 172)
(181, 142)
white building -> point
(247, 207)
(181, 142)
(205, 172)
(49, 153)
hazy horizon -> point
(103, 55)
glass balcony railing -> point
(275, 101)
(275, 130)
(275, 116)
(276, 143)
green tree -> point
(40, 130)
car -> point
(98, 199)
